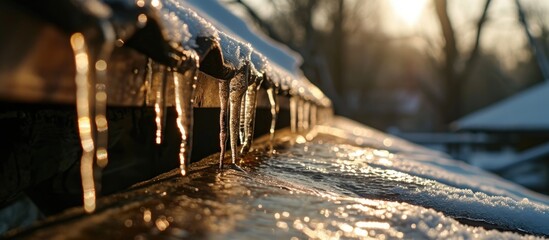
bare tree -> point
(454, 78)
(323, 48)
(536, 47)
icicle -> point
(272, 92)
(306, 114)
(313, 115)
(249, 110)
(321, 112)
(293, 113)
(160, 103)
(91, 108)
(237, 87)
(300, 115)
(223, 112)
(242, 124)
(101, 94)
(82, 59)
(184, 86)
(148, 82)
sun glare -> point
(408, 11)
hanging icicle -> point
(237, 88)
(101, 123)
(160, 78)
(313, 120)
(300, 114)
(272, 91)
(148, 82)
(293, 113)
(184, 86)
(250, 109)
(91, 107)
(83, 111)
(242, 124)
(223, 113)
(306, 114)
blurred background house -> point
(519, 129)
(414, 67)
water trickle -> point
(160, 77)
(223, 113)
(237, 88)
(184, 86)
(250, 108)
(271, 93)
(293, 113)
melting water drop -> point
(223, 112)
(184, 86)
(250, 108)
(293, 113)
(271, 93)
(237, 87)
(160, 77)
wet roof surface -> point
(333, 185)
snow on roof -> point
(238, 44)
(525, 111)
(224, 20)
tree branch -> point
(471, 61)
(450, 48)
(452, 87)
(262, 23)
(537, 49)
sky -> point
(415, 21)
(502, 35)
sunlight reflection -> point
(373, 225)
(408, 11)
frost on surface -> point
(178, 15)
(174, 29)
(235, 53)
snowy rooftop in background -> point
(526, 111)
